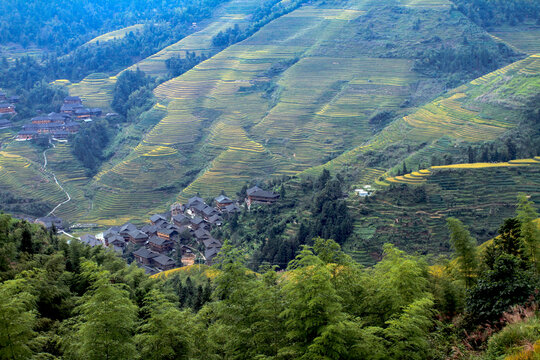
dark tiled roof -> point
(127, 227)
(211, 253)
(137, 234)
(222, 199)
(258, 192)
(214, 219)
(90, 240)
(181, 218)
(145, 253)
(194, 200)
(196, 220)
(201, 234)
(156, 240)
(149, 229)
(157, 217)
(208, 211)
(163, 260)
(212, 243)
(167, 231)
(116, 239)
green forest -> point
(64, 300)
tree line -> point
(66, 300)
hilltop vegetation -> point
(67, 300)
(496, 12)
(62, 25)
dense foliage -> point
(66, 300)
(89, 143)
(498, 12)
(132, 94)
(316, 208)
(62, 25)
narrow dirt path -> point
(56, 181)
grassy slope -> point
(243, 121)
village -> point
(58, 126)
(179, 237)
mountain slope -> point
(300, 90)
(479, 111)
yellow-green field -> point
(25, 179)
(115, 35)
(95, 90)
(241, 121)
(421, 176)
(13, 52)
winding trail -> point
(56, 181)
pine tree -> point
(165, 334)
(530, 232)
(17, 319)
(106, 321)
(465, 247)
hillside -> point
(295, 93)
(349, 85)
(411, 210)
(479, 111)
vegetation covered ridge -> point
(67, 300)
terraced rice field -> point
(481, 195)
(25, 179)
(72, 176)
(116, 35)
(479, 111)
(232, 13)
(422, 176)
(524, 38)
(14, 52)
(317, 113)
(95, 90)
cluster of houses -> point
(185, 228)
(182, 233)
(58, 125)
(7, 109)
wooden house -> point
(167, 233)
(180, 220)
(260, 196)
(202, 234)
(149, 230)
(115, 240)
(144, 256)
(196, 223)
(160, 245)
(6, 108)
(137, 237)
(154, 219)
(163, 262)
(222, 201)
(72, 100)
